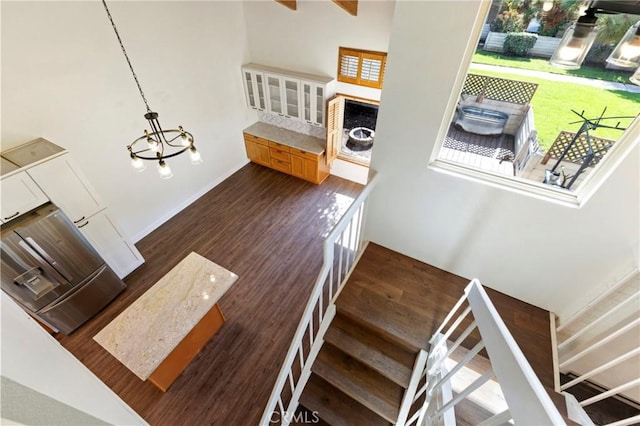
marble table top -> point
(145, 333)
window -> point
(361, 67)
(504, 128)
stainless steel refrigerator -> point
(51, 270)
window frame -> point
(571, 198)
(362, 54)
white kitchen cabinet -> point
(313, 102)
(61, 179)
(19, 195)
(283, 95)
(293, 95)
(254, 89)
(105, 236)
(67, 187)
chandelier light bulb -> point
(184, 139)
(164, 170)
(196, 158)
(137, 163)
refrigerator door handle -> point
(42, 256)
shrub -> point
(519, 44)
(599, 53)
(507, 22)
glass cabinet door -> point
(319, 105)
(274, 95)
(248, 81)
(292, 96)
(306, 101)
(260, 83)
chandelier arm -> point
(135, 77)
(155, 158)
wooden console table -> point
(159, 334)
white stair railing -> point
(433, 403)
(342, 248)
(594, 335)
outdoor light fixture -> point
(635, 78)
(576, 42)
(156, 144)
(627, 52)
(547, 6)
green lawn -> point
(538, 64)
(553, 102)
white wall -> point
(307, 40)
(37, 361)
(552, 256)
(64, 78)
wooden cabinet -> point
(60, 179)
(305, 165)
(19, 195)
(294, 161)
(257, 150)
(294, 95)
(107, 238)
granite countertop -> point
(287, 137)
(145, 333)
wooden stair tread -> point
(360, 382)
(335, 407)
(377, 353)
(393, 320)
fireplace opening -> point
(358, 132)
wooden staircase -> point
(364, 367)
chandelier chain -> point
(135, 77)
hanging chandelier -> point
(156, 144)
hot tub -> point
(481, 121)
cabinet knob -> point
(84, 224)
(79, 220)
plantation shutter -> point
(335, 106)
(349, 63)
(362, 67)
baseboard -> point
(171, 213)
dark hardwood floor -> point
(266, 227)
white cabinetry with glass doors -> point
(283, 95)
(254, 89)
(313, 103)
(297, 96)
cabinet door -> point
(258, 153)
(19, 195)
(313, 102)
(307, 93)
(254, 89)
(319, 103)
(61, 179)
(274, 94)
(249, 89)
(105, 236)
(292, 97)
(304, 168)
